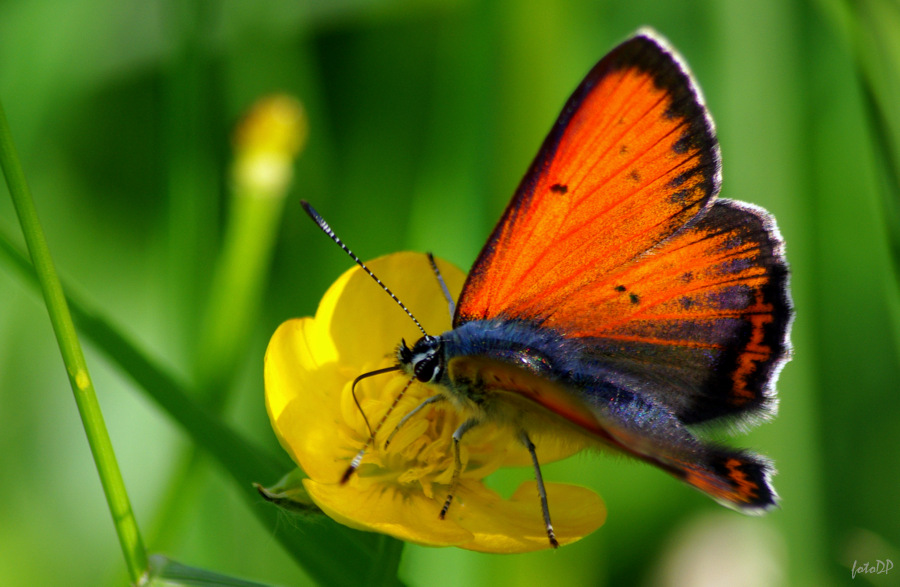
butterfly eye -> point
(426, 359)
(427, 367)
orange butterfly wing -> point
(612, 237)
(631, 160)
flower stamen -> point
(410, 414)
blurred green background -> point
(423, 117)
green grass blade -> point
(73, 358)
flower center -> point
(420, 453)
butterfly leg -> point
(457, 465)
(431, 400)
(542, 492)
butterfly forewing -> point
(631, 160)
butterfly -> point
(618, 297)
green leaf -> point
(290, 495)
(165, 572)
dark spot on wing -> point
(634, 298)
(634, 175)
(683, 177)
(685, 144)
(687, 196)
(559, 188)
(620, 288)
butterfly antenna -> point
(356, 399)
(317, 218)
(440, 278)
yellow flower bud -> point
(266, 142)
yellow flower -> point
(310, 366)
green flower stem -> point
(73, 357)
(229, 313)
(236, 288)
(387, 561)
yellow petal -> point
(312, 429)
(478, 519)
(408, 516)
(294, 352)
(516, 525)
(365, 324)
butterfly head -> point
(424, 360)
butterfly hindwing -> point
(604, 408)
(701, 323)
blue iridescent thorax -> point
(544, 355)
(542, 351)
(539, 350)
